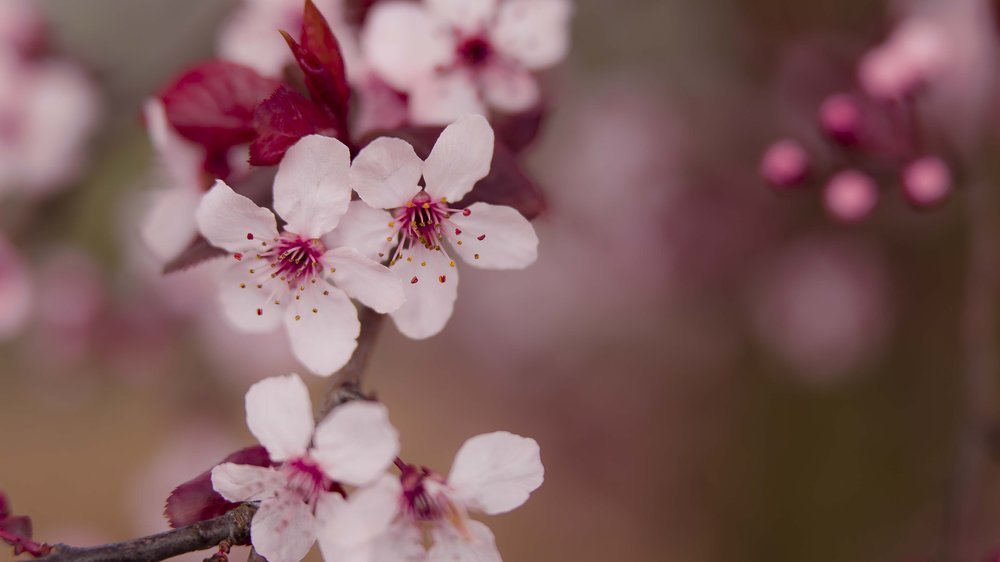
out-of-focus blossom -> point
(386, 174)
(48, 109)
(841, 119)
(850, 196)
(455, 57)
(16, 291)
(250, 35)
(823, 308)
(290, 276)
(21, 25)
(917, 52)
(927, 181)
(492, 473)
(353, 446)
(785, 164)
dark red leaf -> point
(19, 525)
(4, 506)
(519, 130)
(195, 500)
(281, 120)
(506, 184)
(212, 104)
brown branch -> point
(233, 527)
(979, 337)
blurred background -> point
(715, 370)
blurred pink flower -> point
(48, 110)
(16, 291)
(21, 25)
(455, 57)
(927, 181)
(916, 53)
(785, 164)
(850, 195)
(823, 307)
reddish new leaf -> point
(212, 104)
(4, 506)
(281, 120)
(506, 184)
(196, 500)
(519, 130)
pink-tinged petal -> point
(533, 32)
(225, 218)
(181, 159)
(16, 291)
(511, 90)
(169, 226)
(460, 157)
(385, 173)
(196, 500)
(311, 190)
(279, 414)
(496, 472)
(250, 37)
(403, 43)
(283, 529)
(469, 16)
(365, 280)
(323, 328)
(365, 230)
(248, 307)
(355, 444)
(246, 483)
(442, 98)
(401, 542)
(361, 518)
(449, 546)
(431, 286)
(494, 237)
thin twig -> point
(234, 527)
(979, 337)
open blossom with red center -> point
(395, 518)
(422, 228)
(296, 276)
(354, 445)
(455, 57)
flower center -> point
(425, 499)
(474, 51)
(421, 220)
(294, 259)
(306, 477)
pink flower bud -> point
(850, 195)
(840, 117)
(927, 181)
(785, 164)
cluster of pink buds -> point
(876, 136)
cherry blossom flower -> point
(290, 275)
(386, 174)
(48, 108)
(455, 57)
(492, 473)
(353, 446)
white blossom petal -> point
(533, 32)
(461, 156)
(403, 43)
(250, 37)
(386, 172)
(283, 529)
(364, 229)
(470, 16)
(443, 97)
(248, 307)
(361, 518)
(401, 542)
(509, 241)
(365, 280)
(450, 546)
(508, 89)
(496, 472)
(279, 414)
(429, 300)
(226, 217)
(246, 483)
(169, 226)
(312, 187)
(355, 444)
(323, 328)
(181, 159)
